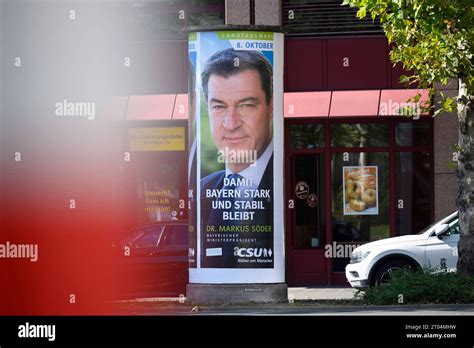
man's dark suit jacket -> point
(262, 217)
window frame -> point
(392, 149)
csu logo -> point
(252, 252)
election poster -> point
(236, 99)
(192, 179)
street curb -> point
(265, 309)
(361, 307)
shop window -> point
(360, 200)
(153, 184)
(158, 192)
(413, 192)
(413, 134)
(307, 136)
(373, 164)
(359, 135)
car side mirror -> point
(441, 229)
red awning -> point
(354, 103)
(392, 100)
(181, 107)
(150, 107)
(371, 103)
(307, 104)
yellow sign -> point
(156, 139)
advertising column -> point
(236, 167)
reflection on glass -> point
(413, 134)
(148, 237)
(357, 229)
(307, 231)
(413, 192)
(150, 190)
(307, 136)
(359, 135)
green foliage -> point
(432, 38)
(422, 287)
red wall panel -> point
(395, 73)
(357, 63)
(303, 64)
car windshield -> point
(431, 226)
(142, 234)
(427, 228)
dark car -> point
(153, 260)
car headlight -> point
(358, 256)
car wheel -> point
(385, 272)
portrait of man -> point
(238, 89)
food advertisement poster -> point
(360, 190)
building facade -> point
(94, 146)
(345, 110)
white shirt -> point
(256, 170)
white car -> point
(372, 264)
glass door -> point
(306, 196)
(306, 219)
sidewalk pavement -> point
(294, 294)
(321, 293)
(302, 301)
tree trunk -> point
(465, 175)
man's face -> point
(240, 118)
